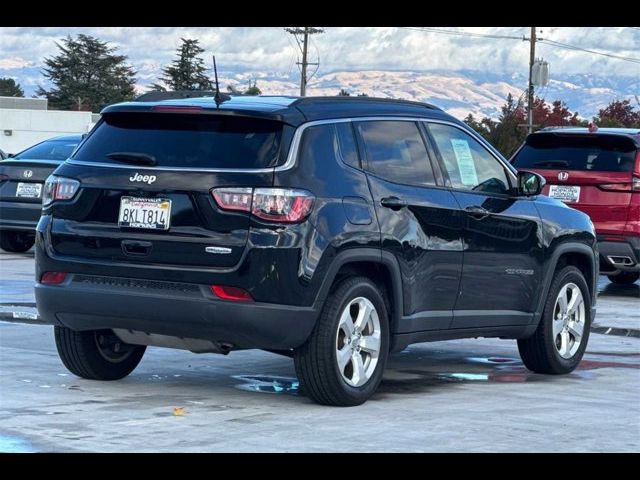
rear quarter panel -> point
(563, 226)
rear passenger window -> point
(347, 144)
(331, 142)
(396, 152)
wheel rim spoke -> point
(576, 329)
(346, 323)
(370, 343)
(364, 315)
(359, 376)
(558, 325)
(576, 301)
(562, 300)
(344, 357)
(564, 344)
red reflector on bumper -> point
(232, 293)
(53, 278)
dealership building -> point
(27, 121)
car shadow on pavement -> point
(417, 370)
(614, 290)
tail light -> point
(177, 109)
(279, 205)
(53, 278)
(3, 178)
(233, 198)
(59, 188)
(236, 294)
(633, 186)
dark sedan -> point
(21, 183)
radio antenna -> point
(216, 97)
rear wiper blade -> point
(132, 157)
(551, 163)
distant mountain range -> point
(458, 92)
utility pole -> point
(304, 32)
(532, 55)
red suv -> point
(596, 171)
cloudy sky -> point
(270, 49)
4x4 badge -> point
(563, 176)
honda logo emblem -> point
(563, 176)
(27, 173)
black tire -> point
(316, 361)
(16, 242)
(538, 352)
(625, 278)
(81, 354)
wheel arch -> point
(372, 263)
(578, 255)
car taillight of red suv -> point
(597, 172)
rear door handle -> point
(394, 203)
(477, 212)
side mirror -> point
(530, 183)
(10, 155)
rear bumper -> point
(619, 256)
(86, 302)
(19, 216)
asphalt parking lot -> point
(466, 395)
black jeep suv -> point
(334, 230)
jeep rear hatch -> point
(146, 181)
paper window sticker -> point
(466, 165)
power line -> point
(595, 52)
(463, 33)
(512, 37)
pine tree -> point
(87, 75)
(253, 89)
(187, 71)
(343, 93)
(10, 88)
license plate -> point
(564, 193)
(149, 213)
(29, 190)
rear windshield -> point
(602, 153)
(49, 150)
(183, 140)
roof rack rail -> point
(556, 127)
(337, 98)
(157, 96)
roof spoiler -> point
(157, 96)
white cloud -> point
(13, 63)
(345, 48)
